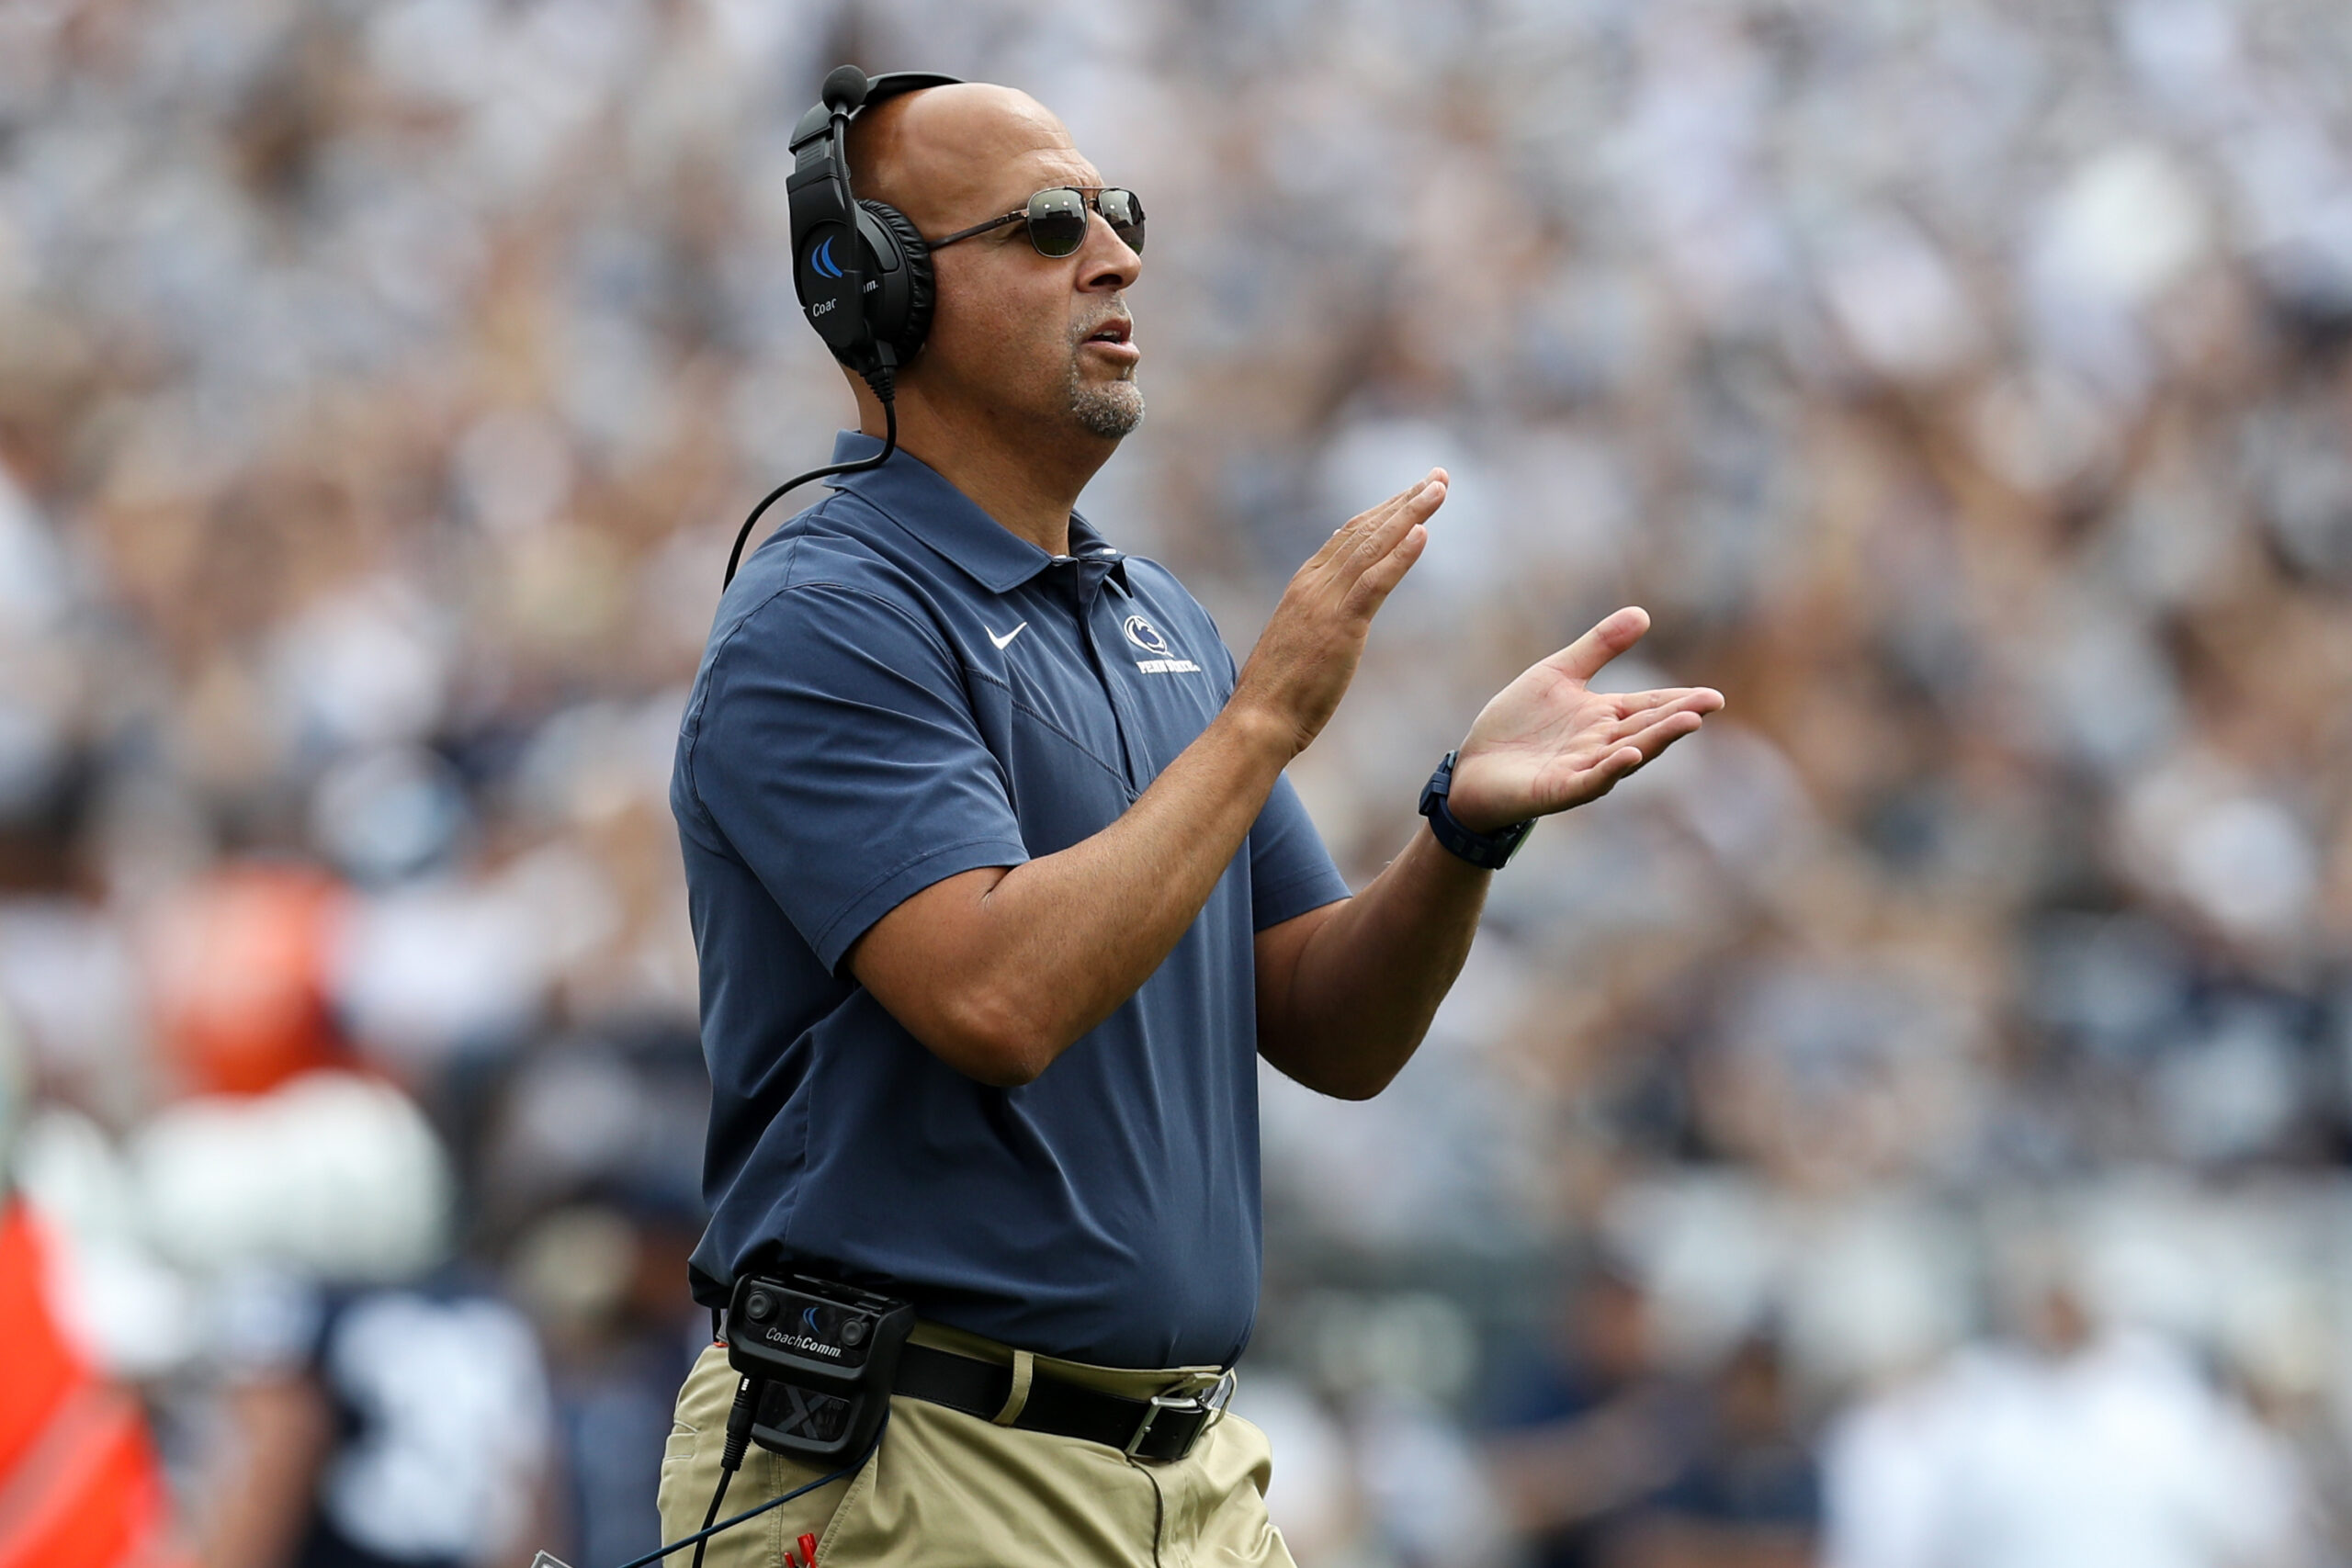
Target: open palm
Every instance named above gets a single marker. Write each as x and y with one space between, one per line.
1548 742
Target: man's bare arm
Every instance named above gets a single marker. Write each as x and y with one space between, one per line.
999 971
1346 992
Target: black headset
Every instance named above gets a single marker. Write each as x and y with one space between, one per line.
861 268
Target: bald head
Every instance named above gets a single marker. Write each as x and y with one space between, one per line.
950 156
1028 366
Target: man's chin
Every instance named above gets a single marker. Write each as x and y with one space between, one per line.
1108 410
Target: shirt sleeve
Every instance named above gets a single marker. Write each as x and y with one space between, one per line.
1290 871
836 752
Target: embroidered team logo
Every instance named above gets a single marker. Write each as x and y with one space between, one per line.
1145 635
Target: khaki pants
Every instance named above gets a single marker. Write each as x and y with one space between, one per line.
948 1489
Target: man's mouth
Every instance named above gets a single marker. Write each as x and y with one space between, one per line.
1119 330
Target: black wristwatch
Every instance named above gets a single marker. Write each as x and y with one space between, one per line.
1491 852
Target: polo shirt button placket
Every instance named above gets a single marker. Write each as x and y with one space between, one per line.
1087 577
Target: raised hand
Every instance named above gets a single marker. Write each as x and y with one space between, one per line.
1548 742
1308 652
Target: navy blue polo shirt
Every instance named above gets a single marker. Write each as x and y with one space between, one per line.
897 689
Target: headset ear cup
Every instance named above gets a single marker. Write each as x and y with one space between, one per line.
912 318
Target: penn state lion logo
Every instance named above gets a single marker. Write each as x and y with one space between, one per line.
1145 635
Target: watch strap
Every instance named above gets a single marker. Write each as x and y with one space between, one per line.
1489 852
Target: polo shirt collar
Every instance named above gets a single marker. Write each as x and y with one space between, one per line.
916 497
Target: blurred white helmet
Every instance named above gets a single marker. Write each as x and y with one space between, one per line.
334 1175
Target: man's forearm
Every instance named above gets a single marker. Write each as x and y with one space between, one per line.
1365 981
1018 964
999 972
1345 994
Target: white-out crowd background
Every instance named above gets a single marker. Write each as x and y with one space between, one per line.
1907 1129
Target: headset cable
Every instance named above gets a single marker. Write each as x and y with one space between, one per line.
882 381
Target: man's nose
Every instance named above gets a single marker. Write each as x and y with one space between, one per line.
1109 264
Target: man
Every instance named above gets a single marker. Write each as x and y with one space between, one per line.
999 893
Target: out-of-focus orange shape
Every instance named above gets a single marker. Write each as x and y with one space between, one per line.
80 1486
238 970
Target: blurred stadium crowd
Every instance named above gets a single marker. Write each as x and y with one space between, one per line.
1906 1131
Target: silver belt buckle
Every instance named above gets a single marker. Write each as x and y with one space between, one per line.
1210 1401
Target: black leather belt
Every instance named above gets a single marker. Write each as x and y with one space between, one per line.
1163 1427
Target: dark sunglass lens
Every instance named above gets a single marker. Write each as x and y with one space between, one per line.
1123 211
1056 222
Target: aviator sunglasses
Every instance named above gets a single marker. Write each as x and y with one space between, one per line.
1056 218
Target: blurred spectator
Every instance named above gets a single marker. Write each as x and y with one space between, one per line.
2072 1447
239 978
1593 1430
594 1159
1749 1494
601 1282
377 1406
391 1424
1611 1460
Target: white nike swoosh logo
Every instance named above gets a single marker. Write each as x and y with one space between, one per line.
1007 637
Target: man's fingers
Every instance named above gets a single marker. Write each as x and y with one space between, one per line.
1344 536
1375 543
1586 657
1631 705
1702 700
1388 555
1373 534
1629 753
1373 588
1657 737
1602 776
1348 533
